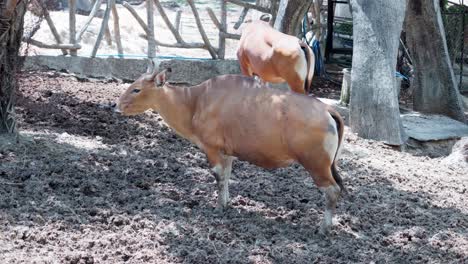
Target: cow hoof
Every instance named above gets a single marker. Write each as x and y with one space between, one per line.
324 231
219 210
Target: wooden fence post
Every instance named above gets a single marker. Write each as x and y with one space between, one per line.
177 20
150 33
72 20
118 41
104 25
201 30
222 37
52 27
92 14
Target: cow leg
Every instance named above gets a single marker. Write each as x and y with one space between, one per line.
323 178
244 67
260 80
294 73
331 194
223 182
222 166
296 84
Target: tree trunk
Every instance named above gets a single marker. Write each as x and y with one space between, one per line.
11 30
374 110
290 15
435 89
318 23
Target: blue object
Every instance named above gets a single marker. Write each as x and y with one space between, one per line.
398 74
318 57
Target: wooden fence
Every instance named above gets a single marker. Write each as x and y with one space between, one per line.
75 36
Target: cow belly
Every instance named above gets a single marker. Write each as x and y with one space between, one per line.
264 150
264 160
267 73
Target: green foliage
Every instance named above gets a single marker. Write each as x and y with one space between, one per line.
345 28
452 17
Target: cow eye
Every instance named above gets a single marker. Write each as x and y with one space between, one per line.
136 91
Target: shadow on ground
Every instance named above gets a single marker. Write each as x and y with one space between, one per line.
85 184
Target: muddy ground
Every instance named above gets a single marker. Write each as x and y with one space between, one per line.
86 185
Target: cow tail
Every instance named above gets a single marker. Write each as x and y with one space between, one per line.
309 55
340 127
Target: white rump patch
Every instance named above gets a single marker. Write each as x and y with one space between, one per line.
330 144
301 66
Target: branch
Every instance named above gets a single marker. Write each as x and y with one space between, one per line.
218 25
92 14
230 35
201 30
108 36
184 45
105 19
194 45
150 33
241 18
251 6
136 16
177 20
221 37
168 23
72 23
52 27
214 18
117 30
51 46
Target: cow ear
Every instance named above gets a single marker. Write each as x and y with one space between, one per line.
162 77
151 76
265 17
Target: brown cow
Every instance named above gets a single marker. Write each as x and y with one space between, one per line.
234 116
275 57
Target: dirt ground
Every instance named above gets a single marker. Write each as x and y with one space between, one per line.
86 185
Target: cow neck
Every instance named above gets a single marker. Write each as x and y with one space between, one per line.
176 105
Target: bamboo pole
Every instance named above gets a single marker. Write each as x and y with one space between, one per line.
118 41
177 20
51 46
136 16
105 19
231 36
72 23
218 25
213 17
150 32
222 37
92 14
241 19
158 43
201 30
168 23
52 27
108 36
248 5
184 45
